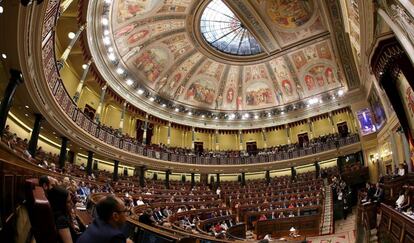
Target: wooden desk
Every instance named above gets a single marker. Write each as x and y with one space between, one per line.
395 227
306 226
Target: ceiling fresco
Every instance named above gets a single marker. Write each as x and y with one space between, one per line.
153 41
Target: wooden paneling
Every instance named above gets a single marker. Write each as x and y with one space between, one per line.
395 227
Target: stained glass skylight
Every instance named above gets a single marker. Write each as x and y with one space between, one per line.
225 32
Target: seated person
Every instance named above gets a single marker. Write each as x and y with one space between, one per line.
106 228
262 217
61 203
379 193
401 200
401 170
147 218
140 201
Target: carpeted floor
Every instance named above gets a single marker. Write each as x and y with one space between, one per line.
344 232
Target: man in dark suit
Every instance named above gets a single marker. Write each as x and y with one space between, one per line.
107 227
379 194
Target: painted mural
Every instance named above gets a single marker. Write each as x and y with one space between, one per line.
230 89
152 63
316 70
366 123
258 94
290 14
178 45
128 9
202 91
407 96
285 89
377 108
178 75
130 38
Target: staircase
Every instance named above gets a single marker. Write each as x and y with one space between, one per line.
327 221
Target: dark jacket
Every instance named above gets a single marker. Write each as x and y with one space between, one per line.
101 232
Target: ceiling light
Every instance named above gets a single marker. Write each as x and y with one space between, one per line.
4 56
106 40
130 82
111 56
340 92
246 115
151 99
26 106
163 105
106 32
108 1
71 35
53 132
105 21
216 118
282 112
140 91
202 116
177 110
190 113
232 116
26 114
269 114
84 66
120 71
1 9
110 49
256 117
313 101
333 97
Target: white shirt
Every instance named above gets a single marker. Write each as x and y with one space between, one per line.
401 172
400 200
140 202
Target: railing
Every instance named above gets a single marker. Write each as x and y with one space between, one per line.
57 88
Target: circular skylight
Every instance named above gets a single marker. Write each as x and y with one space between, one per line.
225 32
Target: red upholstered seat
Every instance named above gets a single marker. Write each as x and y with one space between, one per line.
40 213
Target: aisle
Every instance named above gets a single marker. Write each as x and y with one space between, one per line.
344 232
327 213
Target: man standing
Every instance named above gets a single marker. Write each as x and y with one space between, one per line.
106 228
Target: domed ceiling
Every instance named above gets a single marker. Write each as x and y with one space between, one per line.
216 56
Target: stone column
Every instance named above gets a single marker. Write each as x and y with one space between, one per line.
394 163
407 153
121 122
192 179
115 174
65 55
62 156
89 163
317 169
264 137
216 141
100 106
144 135
287 129
34 138
310 125
6 103
243 178
267 177
142 176
81 82
169 134
167 179
192 137
331 121
240 139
